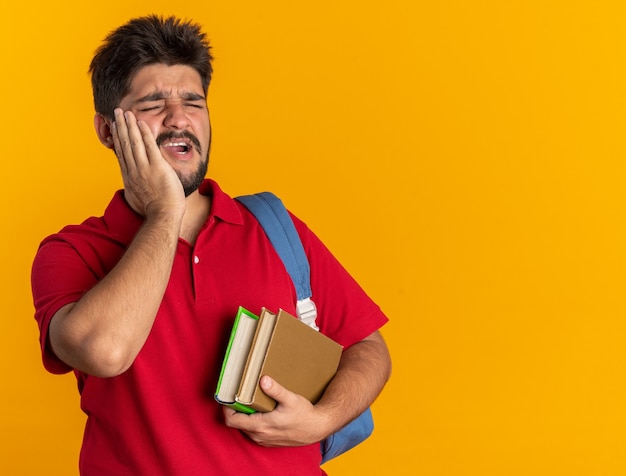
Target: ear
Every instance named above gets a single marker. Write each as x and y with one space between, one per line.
103 129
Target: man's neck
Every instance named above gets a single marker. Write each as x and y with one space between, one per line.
196 214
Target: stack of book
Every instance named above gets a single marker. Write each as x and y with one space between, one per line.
278 345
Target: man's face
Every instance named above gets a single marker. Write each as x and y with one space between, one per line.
171 101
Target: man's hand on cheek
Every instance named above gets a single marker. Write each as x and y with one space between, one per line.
150 183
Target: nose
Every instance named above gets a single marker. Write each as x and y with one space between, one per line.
175 116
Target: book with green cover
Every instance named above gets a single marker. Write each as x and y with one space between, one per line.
239 343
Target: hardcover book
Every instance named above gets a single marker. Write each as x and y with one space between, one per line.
299 358
239 344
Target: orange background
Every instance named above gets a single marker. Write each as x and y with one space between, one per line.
464 159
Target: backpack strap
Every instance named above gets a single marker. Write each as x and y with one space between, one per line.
273 217
279 228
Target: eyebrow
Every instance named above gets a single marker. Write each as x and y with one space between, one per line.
159 96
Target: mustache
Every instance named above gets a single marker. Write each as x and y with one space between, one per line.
170 136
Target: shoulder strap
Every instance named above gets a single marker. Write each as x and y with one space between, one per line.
270 212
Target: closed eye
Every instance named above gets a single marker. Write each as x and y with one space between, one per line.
152 106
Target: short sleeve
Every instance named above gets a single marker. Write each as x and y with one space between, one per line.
345 312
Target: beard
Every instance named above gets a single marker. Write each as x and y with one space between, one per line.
190 182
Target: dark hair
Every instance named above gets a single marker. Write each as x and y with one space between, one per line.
142 42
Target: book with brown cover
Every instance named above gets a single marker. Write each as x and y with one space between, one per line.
299 358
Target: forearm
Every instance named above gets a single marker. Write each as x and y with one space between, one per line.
103 332
363 371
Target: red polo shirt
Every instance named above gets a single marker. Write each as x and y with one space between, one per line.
159 417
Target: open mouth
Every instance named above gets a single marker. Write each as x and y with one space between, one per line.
181 144
178 147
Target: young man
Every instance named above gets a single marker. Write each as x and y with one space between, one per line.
139 302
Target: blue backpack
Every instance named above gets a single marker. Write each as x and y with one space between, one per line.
279 228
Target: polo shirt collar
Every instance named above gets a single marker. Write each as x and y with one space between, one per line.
123 222
223 207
